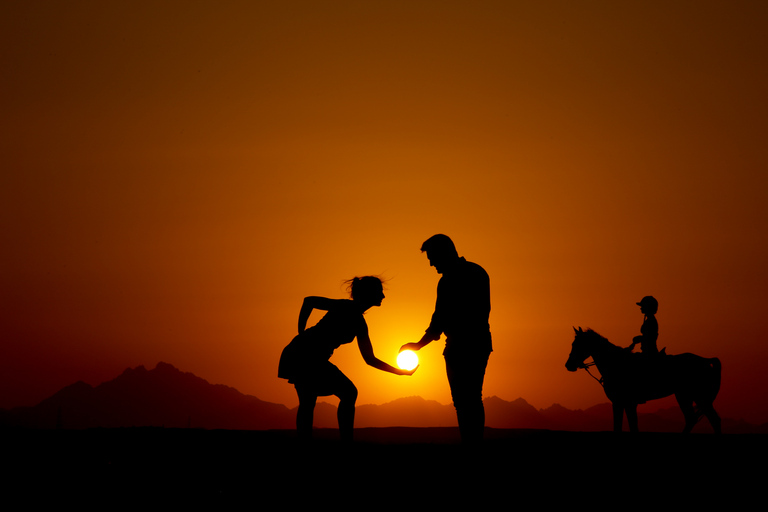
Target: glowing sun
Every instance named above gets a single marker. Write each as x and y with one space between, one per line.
407 360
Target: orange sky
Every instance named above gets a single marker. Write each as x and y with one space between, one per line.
177 177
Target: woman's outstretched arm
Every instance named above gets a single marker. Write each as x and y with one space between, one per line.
366 349
309 304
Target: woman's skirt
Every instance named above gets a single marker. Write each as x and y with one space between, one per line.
310 370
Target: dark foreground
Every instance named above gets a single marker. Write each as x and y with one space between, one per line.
399 467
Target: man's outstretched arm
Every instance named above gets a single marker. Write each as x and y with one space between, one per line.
423 342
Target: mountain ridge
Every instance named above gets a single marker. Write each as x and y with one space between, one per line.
168 397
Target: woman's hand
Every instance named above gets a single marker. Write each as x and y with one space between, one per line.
310 303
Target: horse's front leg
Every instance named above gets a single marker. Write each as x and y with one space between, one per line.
618 416
632 417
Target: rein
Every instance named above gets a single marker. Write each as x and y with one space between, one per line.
586 367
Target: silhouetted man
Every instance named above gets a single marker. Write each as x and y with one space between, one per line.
461 312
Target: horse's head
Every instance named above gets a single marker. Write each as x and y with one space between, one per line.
580 350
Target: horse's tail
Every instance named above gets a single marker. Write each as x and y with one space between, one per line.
716 369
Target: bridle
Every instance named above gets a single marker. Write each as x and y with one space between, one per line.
586 367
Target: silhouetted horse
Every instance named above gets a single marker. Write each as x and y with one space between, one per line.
630 379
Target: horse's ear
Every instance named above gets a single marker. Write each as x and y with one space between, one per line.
581 330
574 330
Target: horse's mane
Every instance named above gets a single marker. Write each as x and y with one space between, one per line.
592 332
598 337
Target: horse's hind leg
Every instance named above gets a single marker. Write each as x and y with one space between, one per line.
712 416
632 417
686 405
618 416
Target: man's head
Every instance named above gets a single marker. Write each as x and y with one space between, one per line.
441 252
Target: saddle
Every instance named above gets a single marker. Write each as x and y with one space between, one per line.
648 376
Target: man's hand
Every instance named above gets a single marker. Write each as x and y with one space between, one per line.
423 342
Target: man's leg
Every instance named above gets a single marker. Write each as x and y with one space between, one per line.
465 377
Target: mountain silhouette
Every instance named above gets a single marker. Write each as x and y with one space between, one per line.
412 411
168 397
164 396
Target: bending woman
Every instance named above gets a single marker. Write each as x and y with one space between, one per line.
304 362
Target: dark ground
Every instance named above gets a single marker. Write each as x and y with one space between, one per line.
398 467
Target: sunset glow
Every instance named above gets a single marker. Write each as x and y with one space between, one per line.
178 176
407 360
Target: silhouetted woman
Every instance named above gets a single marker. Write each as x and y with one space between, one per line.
304 362
649 331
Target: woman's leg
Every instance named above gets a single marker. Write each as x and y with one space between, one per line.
340 386
328 380
347 394
305 414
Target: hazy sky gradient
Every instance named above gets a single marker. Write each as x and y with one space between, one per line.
177 177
